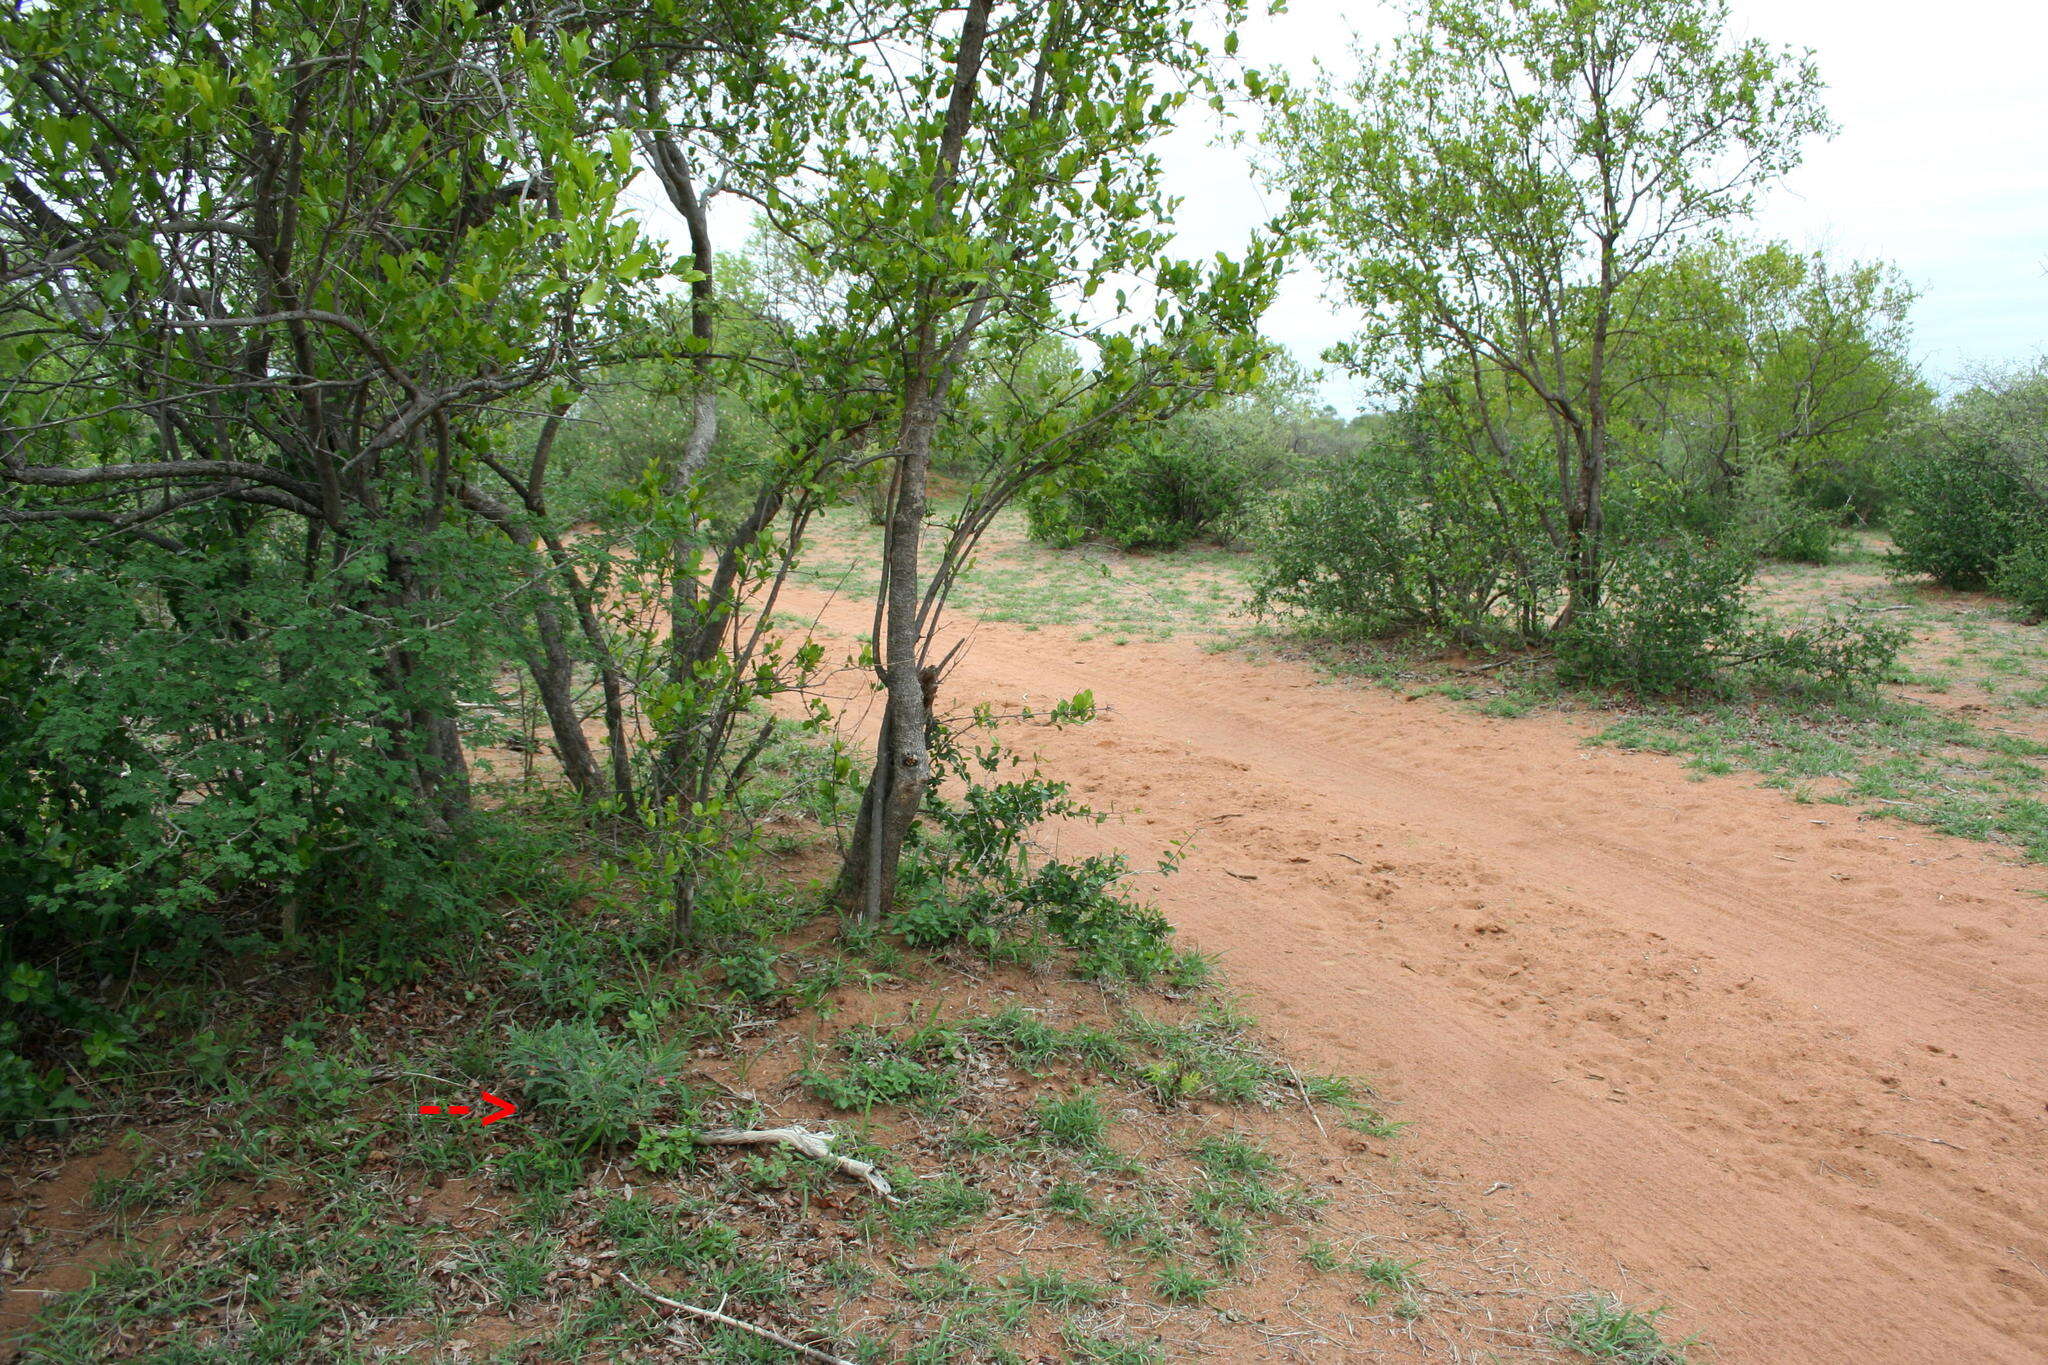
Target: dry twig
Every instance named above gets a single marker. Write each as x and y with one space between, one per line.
713 1315
815 1145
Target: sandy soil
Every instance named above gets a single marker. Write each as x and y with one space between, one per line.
1684 1040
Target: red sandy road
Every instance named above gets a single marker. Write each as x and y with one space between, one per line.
1782 1068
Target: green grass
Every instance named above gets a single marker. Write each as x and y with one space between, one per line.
1074 1121
1183 1284
1606 1329
1889 757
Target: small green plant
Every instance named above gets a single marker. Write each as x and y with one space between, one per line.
594 1087
1233 1156
1101 1350
1053 1289
1390 1272
934 1205
1075 1121
665 1151
1604 1328
919 1070
1182 1284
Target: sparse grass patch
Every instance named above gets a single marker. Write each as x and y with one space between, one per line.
1183 1284
1604 1328
1075 1121
877 1068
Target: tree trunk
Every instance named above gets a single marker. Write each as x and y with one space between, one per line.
903 759
554 677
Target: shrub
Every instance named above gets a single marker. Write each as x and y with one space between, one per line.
1675 618
970 878
1409 533
2022 573
1782 524
1956 512
1182 479
1667 614
1972 488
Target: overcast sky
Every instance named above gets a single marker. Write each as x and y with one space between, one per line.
1941 164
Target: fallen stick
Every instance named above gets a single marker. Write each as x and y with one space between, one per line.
713 1315
1915 1137
1503 663
814 1145
1307 1103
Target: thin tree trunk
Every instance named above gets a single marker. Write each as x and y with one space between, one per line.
554 677
903 767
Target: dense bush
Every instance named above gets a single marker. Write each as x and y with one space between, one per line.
1675 618
1780 520
1188 477
205 749
1424 533
1406 535
1956 513
2023 573
1970 491
1667 616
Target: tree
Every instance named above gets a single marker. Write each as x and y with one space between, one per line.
992 180
279 288
1487 189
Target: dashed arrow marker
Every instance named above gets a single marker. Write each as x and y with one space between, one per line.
500 1108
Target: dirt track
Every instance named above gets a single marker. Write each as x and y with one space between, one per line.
1781 1068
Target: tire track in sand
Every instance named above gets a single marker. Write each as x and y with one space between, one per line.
1781 1067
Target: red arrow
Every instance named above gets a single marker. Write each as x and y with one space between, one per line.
500 1108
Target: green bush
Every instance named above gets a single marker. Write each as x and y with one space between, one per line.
1667 615
1185 478
207 754
594 1088
2022 573
1972 488
1955 513
969 876
1782 523
1675 618
1408 534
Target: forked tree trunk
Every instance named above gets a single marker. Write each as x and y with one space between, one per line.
554 677
903 758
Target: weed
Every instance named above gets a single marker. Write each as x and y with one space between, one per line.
1387 1271
879 1069
1232 1156
1101 1350
1604 1328
1181 1284
1076 1121
934 1205
593 1087
1051 1288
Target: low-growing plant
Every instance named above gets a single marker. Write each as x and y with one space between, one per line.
919 1070
971 879
1604 1328
1075 1120
1183 1284
593 1087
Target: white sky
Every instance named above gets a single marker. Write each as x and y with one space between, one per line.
1941 164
